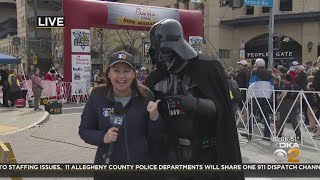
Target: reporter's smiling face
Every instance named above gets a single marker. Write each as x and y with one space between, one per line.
121 76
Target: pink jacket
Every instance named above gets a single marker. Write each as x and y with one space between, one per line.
36 82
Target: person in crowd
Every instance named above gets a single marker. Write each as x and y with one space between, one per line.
277 88
279 67
243 77
141 122
260 87
235 95
200 125
5 86
142 75
50 76
14 87
309 69
292 70
313 103
316 86
288 100
37 88
96 77
301 84
282 71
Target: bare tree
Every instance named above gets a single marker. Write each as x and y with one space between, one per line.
101 44
56 44
130 40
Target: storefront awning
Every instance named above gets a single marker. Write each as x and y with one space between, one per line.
6 59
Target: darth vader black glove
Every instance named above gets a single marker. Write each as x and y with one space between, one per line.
203 106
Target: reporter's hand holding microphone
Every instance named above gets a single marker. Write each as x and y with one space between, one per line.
111 135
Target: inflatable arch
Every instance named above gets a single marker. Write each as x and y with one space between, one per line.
81 15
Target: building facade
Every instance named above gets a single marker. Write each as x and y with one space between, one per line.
227 30
230 34
23 39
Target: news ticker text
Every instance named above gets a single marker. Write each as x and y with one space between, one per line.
156 168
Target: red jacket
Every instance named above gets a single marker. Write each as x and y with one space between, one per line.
293 74
49 77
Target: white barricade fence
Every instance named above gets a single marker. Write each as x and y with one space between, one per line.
76 92
252 114
73 92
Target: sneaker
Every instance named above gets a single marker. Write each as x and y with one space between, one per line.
313 130
246 136
266 138
316 136
298 138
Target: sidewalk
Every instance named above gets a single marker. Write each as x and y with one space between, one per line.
13 120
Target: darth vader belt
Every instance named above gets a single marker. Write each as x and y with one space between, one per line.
184 142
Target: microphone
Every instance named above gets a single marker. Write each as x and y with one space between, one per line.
116 119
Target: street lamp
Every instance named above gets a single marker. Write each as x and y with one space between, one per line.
310 45
56 52
143 36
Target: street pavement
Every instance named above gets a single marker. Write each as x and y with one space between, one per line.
56 140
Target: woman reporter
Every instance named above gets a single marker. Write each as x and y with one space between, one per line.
141 121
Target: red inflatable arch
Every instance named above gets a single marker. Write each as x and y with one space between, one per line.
80 15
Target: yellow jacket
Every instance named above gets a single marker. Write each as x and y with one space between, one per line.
9 79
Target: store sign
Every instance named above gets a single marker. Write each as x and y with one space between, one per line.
277 55
80 40
138 15
81 70
197 43
263 3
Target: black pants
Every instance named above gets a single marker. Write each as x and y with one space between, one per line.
13 96
5 98
293 116
305 111
266 111
179 154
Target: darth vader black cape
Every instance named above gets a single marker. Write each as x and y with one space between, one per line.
208 74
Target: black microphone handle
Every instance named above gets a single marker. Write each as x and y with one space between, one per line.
109 153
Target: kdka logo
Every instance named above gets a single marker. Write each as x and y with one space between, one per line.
82 39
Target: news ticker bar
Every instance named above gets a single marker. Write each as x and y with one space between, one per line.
79 170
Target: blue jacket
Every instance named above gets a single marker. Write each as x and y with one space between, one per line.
261 84
137 129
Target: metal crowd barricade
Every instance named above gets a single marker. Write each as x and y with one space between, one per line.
72 92
76 92
247 115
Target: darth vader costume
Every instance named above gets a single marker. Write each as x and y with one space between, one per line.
199 121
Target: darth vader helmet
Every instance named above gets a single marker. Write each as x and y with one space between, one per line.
174 51
154 49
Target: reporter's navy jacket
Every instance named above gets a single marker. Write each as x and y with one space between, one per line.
137 129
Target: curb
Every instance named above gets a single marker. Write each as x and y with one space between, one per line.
45 117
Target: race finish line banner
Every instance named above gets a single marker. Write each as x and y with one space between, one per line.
87 170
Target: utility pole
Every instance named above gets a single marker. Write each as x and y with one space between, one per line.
35 10
271 33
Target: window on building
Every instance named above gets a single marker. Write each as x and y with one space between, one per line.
224 53
249 10
265 9
285 5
